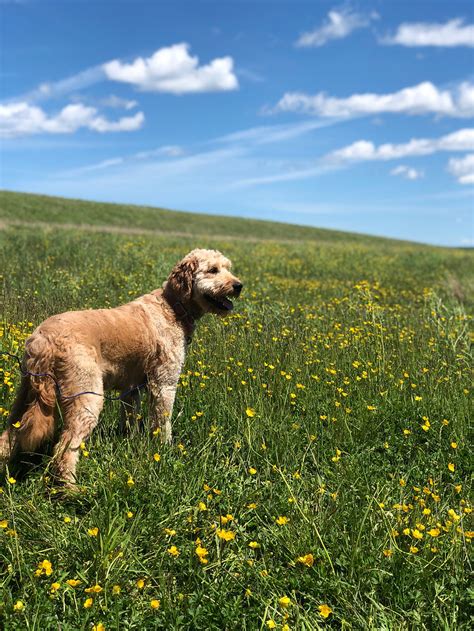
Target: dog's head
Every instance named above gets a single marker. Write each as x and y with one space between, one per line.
204 282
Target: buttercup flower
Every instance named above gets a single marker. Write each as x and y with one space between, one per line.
325 610
307 560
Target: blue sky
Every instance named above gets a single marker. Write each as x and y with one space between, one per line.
354 116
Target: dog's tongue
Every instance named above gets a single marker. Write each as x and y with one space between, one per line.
227 304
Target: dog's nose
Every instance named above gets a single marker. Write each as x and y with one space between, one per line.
237 288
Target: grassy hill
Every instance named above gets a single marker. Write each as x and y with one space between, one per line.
321 456
22 207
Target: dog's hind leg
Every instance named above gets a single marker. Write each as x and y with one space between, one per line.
81 415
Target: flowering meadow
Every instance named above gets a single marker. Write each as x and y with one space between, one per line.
319 475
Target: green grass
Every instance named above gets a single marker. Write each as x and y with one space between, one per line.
342 379
21 207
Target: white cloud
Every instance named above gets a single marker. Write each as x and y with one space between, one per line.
450 34
339 24
424 98
23 119
409 173
363 150
174 70
462 169
119 103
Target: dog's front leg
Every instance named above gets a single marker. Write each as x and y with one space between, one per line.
161 407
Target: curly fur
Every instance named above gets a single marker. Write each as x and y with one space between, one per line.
96 350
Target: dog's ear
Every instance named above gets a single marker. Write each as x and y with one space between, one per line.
180 281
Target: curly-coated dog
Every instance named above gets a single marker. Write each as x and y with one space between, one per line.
90 351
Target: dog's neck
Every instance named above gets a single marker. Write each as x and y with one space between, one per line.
184 313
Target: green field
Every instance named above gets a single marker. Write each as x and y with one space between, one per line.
320 470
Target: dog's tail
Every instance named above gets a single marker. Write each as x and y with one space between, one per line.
31 420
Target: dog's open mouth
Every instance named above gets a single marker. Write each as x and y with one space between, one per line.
224 304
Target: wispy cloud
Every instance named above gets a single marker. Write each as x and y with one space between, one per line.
63 87
424 98
285 176
117 102
448 35
269 134
409 173
338 24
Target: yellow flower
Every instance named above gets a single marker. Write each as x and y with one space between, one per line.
226 518
98 627
454 516
170 532
129 514
141 583
284 602
202 554
95 589
324 610
173 551
116 589
88 603
454 445
4 523
307 559
402 482
44 567
227 535
254 545
434 532
55 587
252 471
388 553
67 520
282 520
413 549
156 457
18 606
130 481
250 412
11 480
407 432
73 582
155 603
417 534
271 624
202 506
451 467
16 425
93 532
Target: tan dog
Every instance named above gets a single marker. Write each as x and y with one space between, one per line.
96 350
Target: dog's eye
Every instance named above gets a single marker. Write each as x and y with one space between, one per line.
213 270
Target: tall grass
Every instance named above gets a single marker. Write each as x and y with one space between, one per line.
324 425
